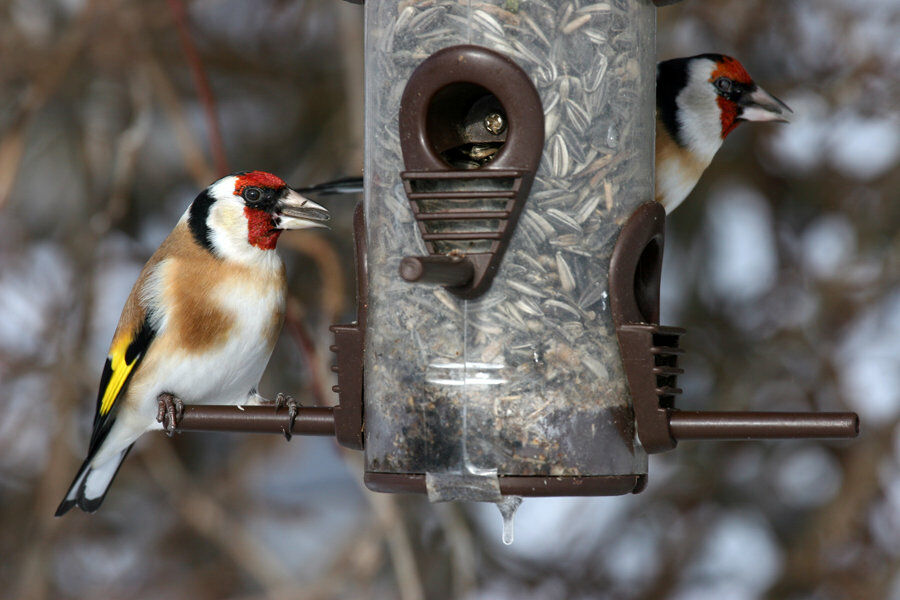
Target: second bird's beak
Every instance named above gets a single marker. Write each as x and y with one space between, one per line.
760 105
295 211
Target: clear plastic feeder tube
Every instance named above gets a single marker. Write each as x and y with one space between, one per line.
526 380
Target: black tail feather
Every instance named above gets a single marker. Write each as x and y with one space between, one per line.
80 499
345 185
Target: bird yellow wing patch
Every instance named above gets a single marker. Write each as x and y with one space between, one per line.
124 358
120 369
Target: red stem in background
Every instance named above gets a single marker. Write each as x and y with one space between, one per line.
201 81
308 349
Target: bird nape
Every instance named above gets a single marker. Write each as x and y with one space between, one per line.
200 323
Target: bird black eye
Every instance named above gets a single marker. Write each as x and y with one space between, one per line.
723 84
252 194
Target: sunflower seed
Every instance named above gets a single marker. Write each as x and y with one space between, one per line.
526 289
575 23
488 22
566 279
559 156
562 221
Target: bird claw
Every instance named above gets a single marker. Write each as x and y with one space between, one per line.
282 401
170 409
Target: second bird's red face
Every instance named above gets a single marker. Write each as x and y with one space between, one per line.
729 77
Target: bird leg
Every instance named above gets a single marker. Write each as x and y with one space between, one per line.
169 412
281 401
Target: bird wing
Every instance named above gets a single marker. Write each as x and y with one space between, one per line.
135 333
126 353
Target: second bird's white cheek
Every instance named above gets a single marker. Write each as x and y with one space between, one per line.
699 113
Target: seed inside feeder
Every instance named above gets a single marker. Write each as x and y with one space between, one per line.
556 404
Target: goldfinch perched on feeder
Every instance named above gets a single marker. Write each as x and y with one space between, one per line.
200 323
699 101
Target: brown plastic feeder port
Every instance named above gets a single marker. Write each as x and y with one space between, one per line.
650 356
472 134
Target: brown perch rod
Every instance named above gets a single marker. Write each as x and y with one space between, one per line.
683 425
256 419
711 425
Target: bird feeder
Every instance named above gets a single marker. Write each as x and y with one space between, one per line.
508 262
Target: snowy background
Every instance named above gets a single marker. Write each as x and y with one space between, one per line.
784 266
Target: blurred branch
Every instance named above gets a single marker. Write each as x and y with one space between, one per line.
204 515
129 143
47 79
293 321
332 299
195 162
462 547
350 29
403 558
330 268
837 523
201 81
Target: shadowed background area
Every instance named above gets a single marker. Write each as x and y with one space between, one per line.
784 266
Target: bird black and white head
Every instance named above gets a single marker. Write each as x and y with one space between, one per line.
240 216
701 99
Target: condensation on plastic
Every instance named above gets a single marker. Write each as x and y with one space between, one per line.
527 379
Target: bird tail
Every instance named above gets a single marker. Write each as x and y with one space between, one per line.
347 185
91 484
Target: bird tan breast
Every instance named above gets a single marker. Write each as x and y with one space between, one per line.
275 325
278 284
199 322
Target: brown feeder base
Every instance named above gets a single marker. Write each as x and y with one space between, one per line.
514 485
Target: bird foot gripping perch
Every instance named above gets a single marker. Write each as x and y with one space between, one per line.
169 412
285 401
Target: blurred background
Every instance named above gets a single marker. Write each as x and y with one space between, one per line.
784 266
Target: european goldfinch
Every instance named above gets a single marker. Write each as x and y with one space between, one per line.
200 323
699 101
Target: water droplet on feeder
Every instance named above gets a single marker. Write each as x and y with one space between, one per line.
612 137
508 506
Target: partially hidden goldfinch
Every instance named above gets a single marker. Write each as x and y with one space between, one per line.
699 101
200 323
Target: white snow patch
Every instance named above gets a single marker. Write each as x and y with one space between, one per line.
807 477
864 147
740 554
26 428
869 364
742 261
799 147
829 245
34 287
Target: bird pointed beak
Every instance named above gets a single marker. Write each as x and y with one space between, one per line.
760 105
296 211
